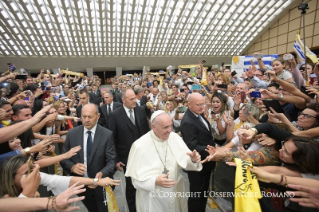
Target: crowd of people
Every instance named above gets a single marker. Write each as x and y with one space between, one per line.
59 134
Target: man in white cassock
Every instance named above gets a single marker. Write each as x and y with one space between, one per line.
154 165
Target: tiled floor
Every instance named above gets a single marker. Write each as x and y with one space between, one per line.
119 193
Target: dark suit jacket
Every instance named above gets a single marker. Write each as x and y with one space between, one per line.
195 134
79 111
122 130
103 154
114 93
104 118
96 98
119 98
143 101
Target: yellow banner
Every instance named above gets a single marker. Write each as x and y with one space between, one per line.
72 73
247 191
111 201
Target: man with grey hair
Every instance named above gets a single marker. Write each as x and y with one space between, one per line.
140 98
107 108
154 163
96 159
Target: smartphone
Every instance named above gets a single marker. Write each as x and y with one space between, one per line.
233 73
28 93
30 165
222 86
22 76
303 89
182 109
11 66
212 112
287 57
255 94
240 141
181 90
274 104
242 96
35 155
258 56
196 87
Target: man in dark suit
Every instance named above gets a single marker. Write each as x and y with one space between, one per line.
128 123
196 132
119 95
96 159
141 100
115 90
84 98
95 95
107 108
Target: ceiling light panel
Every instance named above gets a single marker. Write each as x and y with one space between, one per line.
130 28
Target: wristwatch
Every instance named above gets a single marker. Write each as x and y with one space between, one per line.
27 150
280 96
95 180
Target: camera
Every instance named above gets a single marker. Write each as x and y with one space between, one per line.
203 61
303 6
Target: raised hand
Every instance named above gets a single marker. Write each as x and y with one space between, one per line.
265 140
73 151
195 156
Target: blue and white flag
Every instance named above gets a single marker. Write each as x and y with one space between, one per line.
299 49
240 63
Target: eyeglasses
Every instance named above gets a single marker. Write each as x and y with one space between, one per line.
258 75
307 116
284 149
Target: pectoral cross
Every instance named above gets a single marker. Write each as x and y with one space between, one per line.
165 171
105 202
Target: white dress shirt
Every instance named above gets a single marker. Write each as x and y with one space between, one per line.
138 101
85 138
153 100
111 107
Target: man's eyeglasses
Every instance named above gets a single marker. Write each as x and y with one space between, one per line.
307 116
284 149
258 75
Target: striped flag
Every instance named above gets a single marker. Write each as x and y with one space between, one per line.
299 49
239 63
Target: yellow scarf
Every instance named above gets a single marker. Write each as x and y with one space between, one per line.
247 191
238 125
5 123
111 201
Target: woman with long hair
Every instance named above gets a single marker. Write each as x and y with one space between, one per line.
12 170
216 115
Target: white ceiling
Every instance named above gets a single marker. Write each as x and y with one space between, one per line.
83 28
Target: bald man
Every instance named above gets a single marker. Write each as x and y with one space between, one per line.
96 159
128 123
197 134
